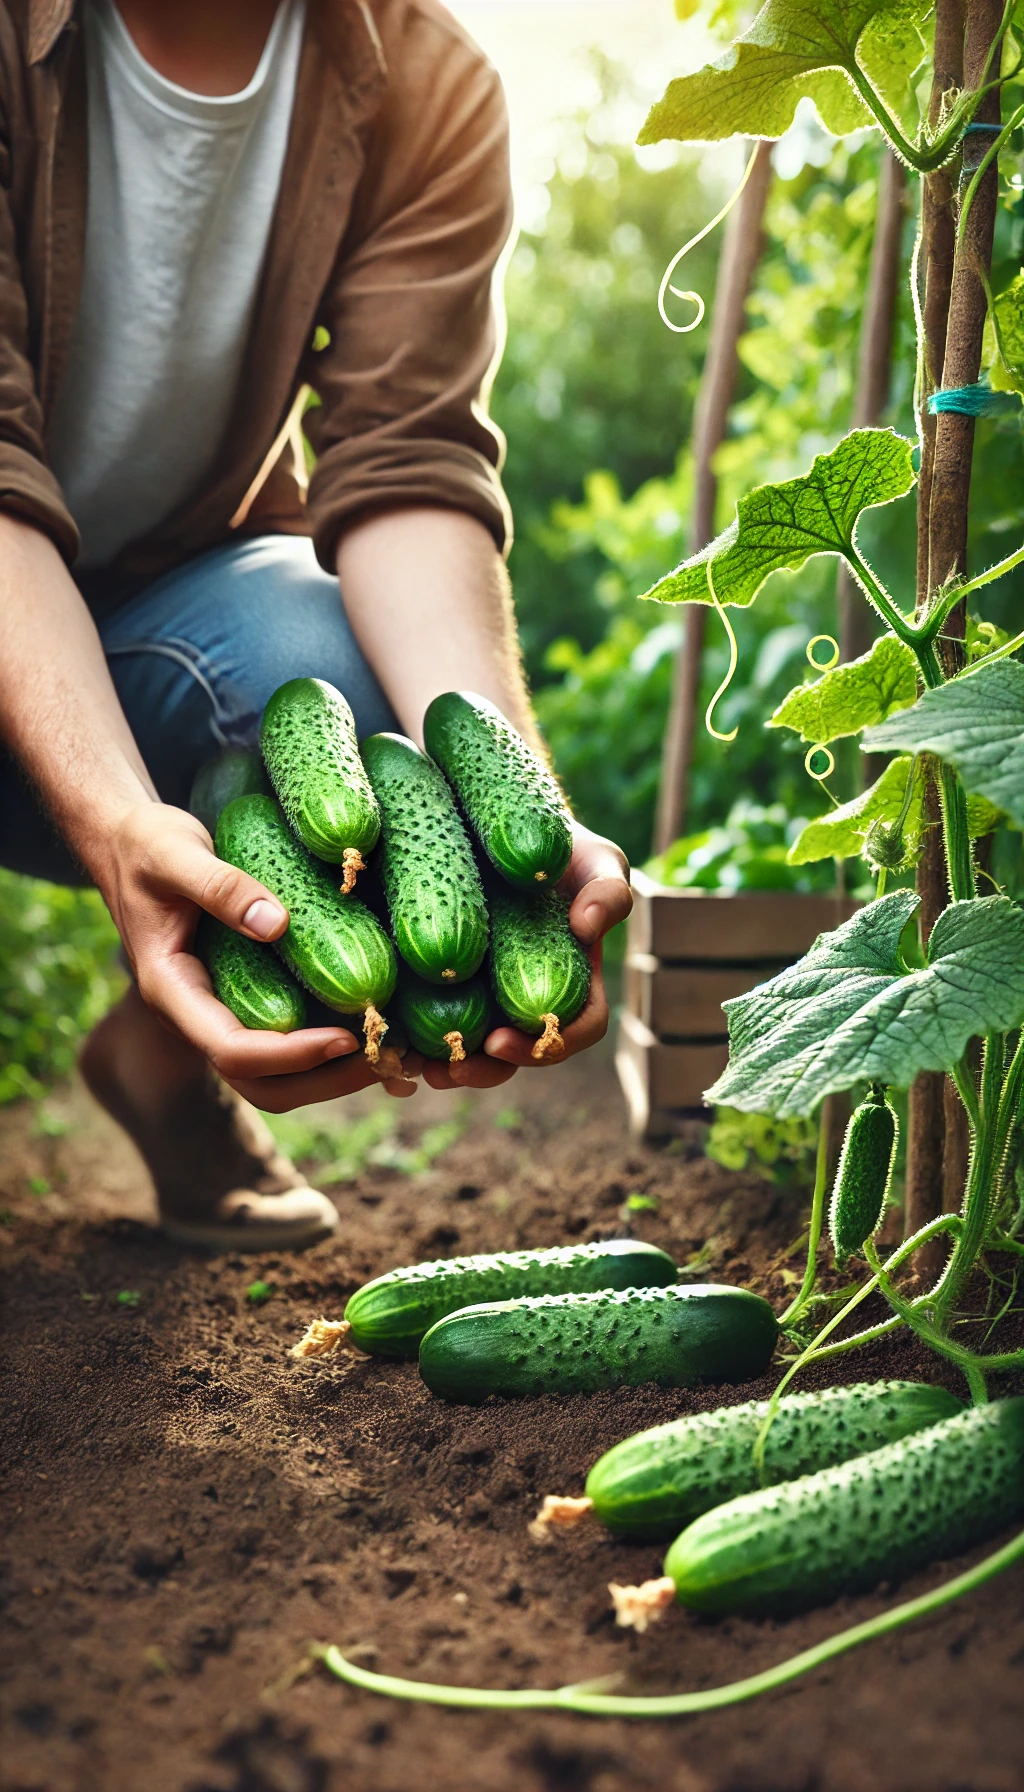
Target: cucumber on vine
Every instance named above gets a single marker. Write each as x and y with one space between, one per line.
864 1174
308 739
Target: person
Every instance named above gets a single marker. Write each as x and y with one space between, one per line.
212 210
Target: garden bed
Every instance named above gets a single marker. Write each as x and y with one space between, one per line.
188 1507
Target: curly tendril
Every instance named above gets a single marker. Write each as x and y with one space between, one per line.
734 654
694 298
833 659
828 768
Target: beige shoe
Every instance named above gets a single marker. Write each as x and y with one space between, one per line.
221 1182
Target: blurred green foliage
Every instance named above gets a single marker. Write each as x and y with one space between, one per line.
58 974
782 1151
748 852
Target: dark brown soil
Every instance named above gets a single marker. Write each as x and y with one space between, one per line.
187 1507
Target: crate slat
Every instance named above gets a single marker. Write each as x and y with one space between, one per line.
714 924
683 999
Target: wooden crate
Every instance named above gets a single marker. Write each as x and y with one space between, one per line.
687 952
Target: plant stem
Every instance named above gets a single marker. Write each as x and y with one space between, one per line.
593 1703
797 1305
978 1194
966 1360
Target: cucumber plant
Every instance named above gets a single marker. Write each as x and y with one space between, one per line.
933 981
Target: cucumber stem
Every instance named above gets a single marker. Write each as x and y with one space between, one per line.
637 1607
374 1027
352 862
550 1044
456 1048
322 1337
559 1511
389 1065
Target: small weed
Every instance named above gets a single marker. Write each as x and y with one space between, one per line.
258 1293
128 1297
50 1126
340 1153
508 1119
39 1185
639 1203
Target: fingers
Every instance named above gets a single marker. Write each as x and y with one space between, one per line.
509 1046
177 859
278 1094
475 1072
598 883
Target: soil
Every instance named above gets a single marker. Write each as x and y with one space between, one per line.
188 1507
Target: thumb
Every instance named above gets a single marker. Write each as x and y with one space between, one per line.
222 890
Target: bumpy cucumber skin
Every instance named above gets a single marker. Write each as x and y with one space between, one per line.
844 1529
654 1483
577 1343
390 1315
308 738
863 1176
511 799
434 895
429 1013
538 966
332 944
235 772
249 979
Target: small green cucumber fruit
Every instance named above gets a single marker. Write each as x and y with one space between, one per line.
249 978
842 1530
577 1343
864 1174
332 943
308 737
235 772
652 1484
508 794
540 972
389 1316
434 895
447 1023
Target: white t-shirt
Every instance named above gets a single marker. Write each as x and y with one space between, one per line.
182 190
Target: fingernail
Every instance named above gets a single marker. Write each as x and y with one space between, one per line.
342 1047
262 918
591 919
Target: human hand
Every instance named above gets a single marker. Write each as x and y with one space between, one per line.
158 870
597 882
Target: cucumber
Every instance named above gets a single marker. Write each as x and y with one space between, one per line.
864 1174
390 1315
844 1529
308 737
447 1024
235 772
539 970
332 943
511 799
577 1343
249 978
434 895
652 1484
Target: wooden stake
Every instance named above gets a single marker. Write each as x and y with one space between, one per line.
741 251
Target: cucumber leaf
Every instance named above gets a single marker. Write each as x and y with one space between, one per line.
851 697
852 1011
975 724
794 48
783 526
842 832
1003 352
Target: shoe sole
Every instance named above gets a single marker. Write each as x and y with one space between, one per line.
246 1240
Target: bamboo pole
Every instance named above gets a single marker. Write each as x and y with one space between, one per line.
741 250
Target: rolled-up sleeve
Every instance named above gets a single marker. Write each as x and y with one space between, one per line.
411 313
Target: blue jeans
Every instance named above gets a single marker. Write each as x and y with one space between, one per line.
194 659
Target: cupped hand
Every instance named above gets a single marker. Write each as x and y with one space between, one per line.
159 870
597 883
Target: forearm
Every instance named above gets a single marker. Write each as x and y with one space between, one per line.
59 712
429 601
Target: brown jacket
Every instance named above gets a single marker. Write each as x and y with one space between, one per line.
393 209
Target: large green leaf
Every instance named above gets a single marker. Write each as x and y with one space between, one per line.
976 724
1003 354
851 697
794 48
842 832
851 1011
782 526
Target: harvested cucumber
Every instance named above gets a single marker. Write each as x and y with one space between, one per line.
447 1024
308 737
540 972
652 1484
332 943
235 772
249 978
577 1343
864 1174
509 796
844 1529
390 1315
434 894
